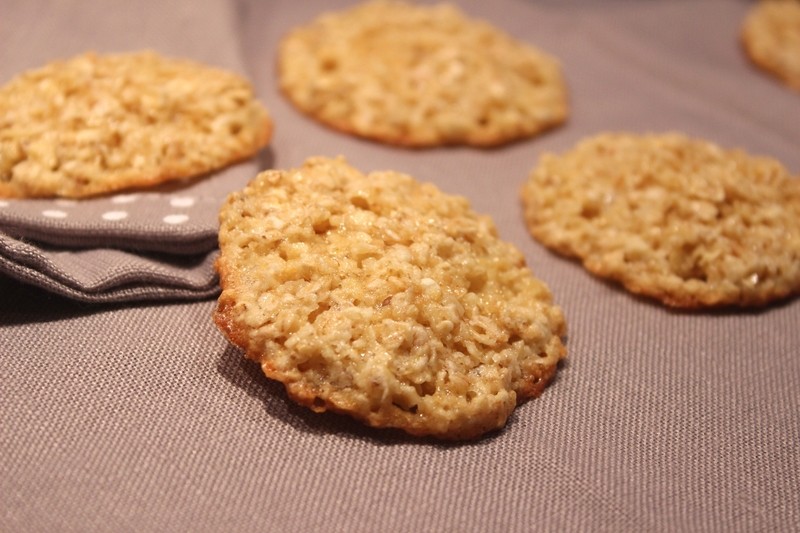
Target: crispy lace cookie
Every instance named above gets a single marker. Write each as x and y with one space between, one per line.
385 299
677 219
95 124
420 76
771 38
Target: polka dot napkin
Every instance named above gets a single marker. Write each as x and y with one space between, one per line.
138 245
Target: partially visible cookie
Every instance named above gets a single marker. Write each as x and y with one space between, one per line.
677 219
771 37
385 299
420 76
99 123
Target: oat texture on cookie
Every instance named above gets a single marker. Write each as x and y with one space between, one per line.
771 38
383 298
420 76
94 124
678 219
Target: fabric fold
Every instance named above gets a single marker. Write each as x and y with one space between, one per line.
104 275
131 246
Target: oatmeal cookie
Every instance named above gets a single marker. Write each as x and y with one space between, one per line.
385 299
771 38
678 219
99 123
420 76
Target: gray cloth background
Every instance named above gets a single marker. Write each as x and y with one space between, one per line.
141 417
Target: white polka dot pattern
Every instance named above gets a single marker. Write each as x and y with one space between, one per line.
182 201
115 215
176 219
124 198
54 213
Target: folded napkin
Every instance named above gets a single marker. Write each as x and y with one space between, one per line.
109 275
156 244
138 245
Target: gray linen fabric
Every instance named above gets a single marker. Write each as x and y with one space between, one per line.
141 417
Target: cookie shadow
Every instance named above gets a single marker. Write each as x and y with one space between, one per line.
245 374
23 303
265 159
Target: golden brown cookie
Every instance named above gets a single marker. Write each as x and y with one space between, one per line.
385 299
771 37
99 123
677 219
420 76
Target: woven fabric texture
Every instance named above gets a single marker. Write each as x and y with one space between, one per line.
141 417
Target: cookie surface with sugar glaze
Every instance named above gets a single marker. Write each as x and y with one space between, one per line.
94 124
673 218
770 35
420 76
383 298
